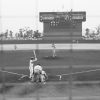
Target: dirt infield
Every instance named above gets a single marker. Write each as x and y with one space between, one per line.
54 91
57 98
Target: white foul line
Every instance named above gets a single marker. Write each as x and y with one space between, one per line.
76 73
13 73
23 75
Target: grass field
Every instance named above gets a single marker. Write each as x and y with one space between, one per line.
18 62
21 58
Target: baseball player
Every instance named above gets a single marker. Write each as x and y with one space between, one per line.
15 47
38 69
43 76
54 50
31 65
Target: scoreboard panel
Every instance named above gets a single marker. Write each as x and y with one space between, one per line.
62 24
50 16
58 25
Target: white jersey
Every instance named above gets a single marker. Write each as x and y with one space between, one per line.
43 72
38 67
31 64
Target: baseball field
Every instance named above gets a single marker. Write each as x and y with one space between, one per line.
83 64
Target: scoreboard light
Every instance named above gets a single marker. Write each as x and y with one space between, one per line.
77 17
52 21
66 18
70 17
73 23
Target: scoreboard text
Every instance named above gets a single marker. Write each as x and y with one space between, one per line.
49 16
62 19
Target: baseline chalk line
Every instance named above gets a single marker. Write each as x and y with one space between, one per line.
60 76
13 73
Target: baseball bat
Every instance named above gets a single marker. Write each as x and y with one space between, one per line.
34 53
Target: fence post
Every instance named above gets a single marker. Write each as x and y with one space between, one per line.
1 56
3 74
71 50
37 95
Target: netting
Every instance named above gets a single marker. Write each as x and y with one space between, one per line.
72 64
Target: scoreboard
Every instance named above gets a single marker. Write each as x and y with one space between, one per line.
62 19
62 24
49 16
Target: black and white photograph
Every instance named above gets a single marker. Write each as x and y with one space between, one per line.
49 50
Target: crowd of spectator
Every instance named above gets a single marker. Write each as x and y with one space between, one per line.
23 34
91 35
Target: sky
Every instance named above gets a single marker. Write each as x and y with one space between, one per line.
16 14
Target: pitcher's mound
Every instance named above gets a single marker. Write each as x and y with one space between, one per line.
51 58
